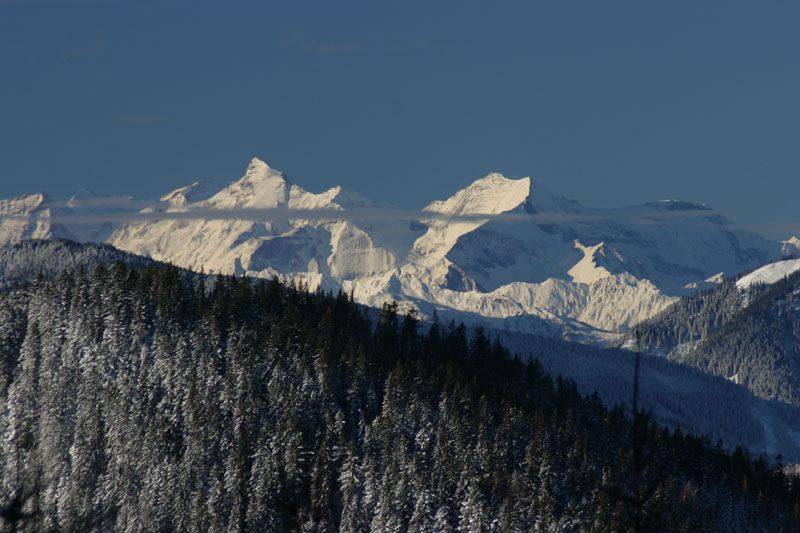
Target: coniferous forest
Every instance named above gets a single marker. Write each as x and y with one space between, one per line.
754 336
154 399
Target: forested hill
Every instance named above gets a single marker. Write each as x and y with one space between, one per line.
154 400
47 259
689 320
750 336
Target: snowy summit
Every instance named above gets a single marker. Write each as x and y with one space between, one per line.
555 267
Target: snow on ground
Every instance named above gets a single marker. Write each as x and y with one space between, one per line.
586 270
769 274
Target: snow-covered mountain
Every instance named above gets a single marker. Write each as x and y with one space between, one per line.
535 263
313 250
27 217
36 216
791 248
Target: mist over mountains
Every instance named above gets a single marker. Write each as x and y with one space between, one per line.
502 253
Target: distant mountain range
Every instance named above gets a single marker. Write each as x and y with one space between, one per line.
535 263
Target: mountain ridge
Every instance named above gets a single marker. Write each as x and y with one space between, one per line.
537 256
747 330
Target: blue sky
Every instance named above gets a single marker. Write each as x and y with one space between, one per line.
610 103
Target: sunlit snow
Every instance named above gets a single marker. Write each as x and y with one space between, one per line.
769 274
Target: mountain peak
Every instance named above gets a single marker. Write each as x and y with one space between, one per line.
258 170
790 249
492 194
260 187
495 180
24 203
257 165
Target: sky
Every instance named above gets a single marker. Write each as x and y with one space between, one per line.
610 103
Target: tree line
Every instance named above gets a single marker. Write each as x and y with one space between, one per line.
155 399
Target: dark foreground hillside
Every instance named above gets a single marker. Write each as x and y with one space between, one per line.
757 344
152 400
